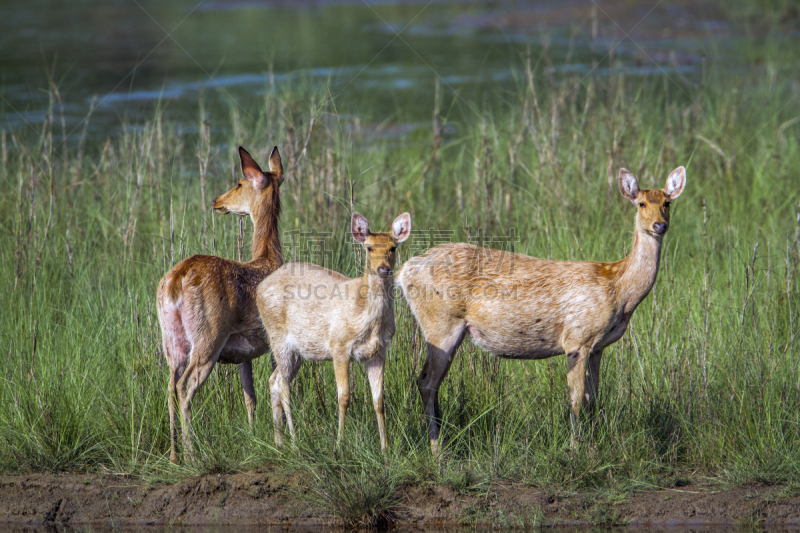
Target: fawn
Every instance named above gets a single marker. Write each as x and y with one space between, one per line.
520 307
313 313
206 304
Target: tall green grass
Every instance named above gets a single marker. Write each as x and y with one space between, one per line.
705 380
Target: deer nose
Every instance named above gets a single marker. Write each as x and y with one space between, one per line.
384 271
660 227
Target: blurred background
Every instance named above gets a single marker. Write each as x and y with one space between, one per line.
380 59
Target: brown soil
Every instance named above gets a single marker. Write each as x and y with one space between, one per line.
264 498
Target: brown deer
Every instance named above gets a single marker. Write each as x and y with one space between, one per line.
206 304
520 307
313 313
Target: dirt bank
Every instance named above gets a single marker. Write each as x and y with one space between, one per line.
262 498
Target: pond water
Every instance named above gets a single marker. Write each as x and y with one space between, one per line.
379 59
262 529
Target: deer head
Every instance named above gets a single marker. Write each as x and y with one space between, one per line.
652 216
256 185
380 247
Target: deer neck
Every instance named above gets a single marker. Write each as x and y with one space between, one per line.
638 271
376 292
266 238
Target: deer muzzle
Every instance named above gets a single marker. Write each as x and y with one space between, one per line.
219 207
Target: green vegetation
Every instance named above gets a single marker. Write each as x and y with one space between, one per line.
706 379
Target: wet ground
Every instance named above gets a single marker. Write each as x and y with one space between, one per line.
267 499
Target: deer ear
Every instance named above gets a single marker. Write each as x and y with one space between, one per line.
628 185
360 228
251 170
675 182
401 227
275 165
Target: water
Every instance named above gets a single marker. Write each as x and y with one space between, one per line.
376 59
307 529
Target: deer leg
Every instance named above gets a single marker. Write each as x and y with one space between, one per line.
593 384
374 369
294 367
277 407
578 363
593 377
196 374
341 368
177 365
439 358
246 377
287 364
176 352
174 376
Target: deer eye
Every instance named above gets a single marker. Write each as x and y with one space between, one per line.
238 185
369 249
393 248
667 203
642 204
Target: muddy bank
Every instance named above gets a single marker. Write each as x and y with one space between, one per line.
262 498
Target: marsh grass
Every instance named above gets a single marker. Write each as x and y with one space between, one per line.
357 484
705 380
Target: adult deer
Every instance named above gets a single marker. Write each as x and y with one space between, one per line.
206 304
314 313
520 307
